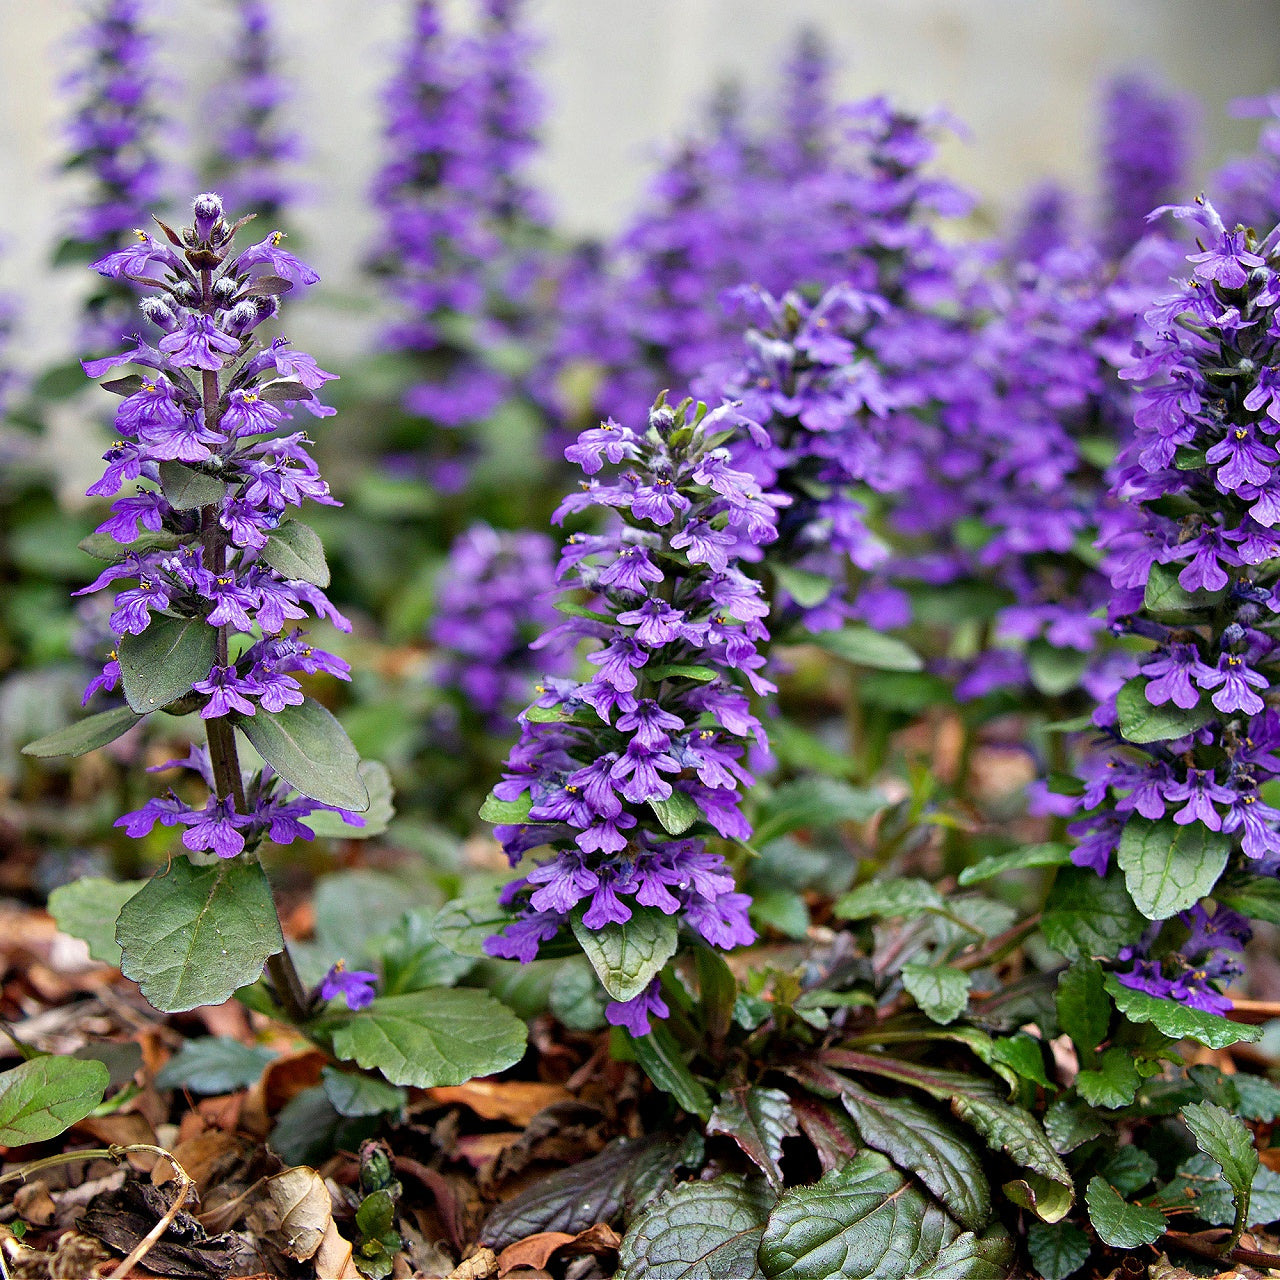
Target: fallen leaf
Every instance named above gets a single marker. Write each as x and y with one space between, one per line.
516 1101
479 1148
480 1266
333 1258
34 1204
600 1238
287 1076
533 1251
301 1201
207 1158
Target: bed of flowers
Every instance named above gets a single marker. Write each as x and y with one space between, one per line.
746 749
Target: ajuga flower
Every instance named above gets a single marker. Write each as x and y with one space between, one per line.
252 150
112 136
356 987
1194 570
1146 143
207 543
610 773
492 601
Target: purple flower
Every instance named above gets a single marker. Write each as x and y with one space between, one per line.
356 986
1237 681
220 829
1171 674
198 344
634 1014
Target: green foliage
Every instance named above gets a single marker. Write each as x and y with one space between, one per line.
163 663
196 935
1113 1084
43 1096
661 1060
1168 867
1141 722
757 1119
1178 1021
1225 1140
88 909
866 648
1084 1010
996 864
941 991
677 813
1057 1249
864 1220
352 1094
310 750
84 735
428 1038
887 898
1118 1223
813 802
214 1064
185 488
628 956
376 818
1090 915
295 550
700 1230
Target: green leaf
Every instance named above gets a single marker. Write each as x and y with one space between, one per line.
88 909
1200 1189
463 924
294 549
625 1177
102 546
815 802
413 959
883 899
781 909
1090 915
661 1059
1050 1201
1169 867
677 813
627 956
700 1231
1070 1124
996 864
1225 1140
1055 671
1178 1021
1129 1170
85 735
1165 594
576 997
429 1038
685 670
941 991
1023 1055
1113 1084
1141 722
861 1221
166 660
351 1094
308 1130
310 750
214 1064
866 648
920 1142
1256 896
185 488
512 812
377 817
196 935
1084 1012
807 589
1259 1099
1058 1250
43 1096
1121 1225
972 1257
757 1119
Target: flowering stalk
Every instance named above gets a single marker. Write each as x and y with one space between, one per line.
492 600
112 136
217 572
1145 149
611 773
1177 796
253 149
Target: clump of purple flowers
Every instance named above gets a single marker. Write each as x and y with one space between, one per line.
1146 144
253 148
461 125
1209 953
610 773
112 138
1193 568
493 599
209 413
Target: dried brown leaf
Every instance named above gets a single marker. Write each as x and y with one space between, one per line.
533 1251
333 1260
302 1204
480 1266
515 1101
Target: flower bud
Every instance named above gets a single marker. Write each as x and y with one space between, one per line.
208 213
160 312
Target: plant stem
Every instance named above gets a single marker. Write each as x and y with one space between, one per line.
223 756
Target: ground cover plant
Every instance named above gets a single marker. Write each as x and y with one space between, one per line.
747 750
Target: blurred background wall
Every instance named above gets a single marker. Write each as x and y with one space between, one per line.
624 76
